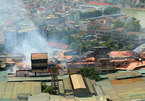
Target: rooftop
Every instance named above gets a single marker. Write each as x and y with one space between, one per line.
35 56
126 89
123 75
120 54
57 45
94 3
77 81
12 89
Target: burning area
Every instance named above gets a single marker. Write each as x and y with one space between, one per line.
21 35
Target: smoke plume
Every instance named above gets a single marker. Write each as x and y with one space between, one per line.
20 33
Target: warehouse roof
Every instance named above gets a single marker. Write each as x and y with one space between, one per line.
67 84
77 81
124 75
90 86
35 56
13 89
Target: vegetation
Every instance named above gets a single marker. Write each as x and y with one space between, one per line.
95 13
133 26
111 10
118 24
91 73
46 89
82 47
123 42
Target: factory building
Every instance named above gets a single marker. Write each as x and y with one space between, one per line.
77 85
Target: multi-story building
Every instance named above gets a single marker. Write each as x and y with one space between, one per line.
39 62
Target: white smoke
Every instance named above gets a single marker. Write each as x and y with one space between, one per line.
14 23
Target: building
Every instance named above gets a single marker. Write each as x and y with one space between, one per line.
126 86
103 5
100 33
39 62
77 85
68 90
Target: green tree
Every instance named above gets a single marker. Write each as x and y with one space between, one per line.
118 24
111 10
95 13
46 89
123 42
87 45
90 73
133 26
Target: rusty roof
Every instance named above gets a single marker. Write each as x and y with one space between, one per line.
37 56
125 81
134 65
120 54
89 59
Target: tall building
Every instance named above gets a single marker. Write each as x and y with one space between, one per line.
39 62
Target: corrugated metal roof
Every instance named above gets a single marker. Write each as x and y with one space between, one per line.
77 81
12 89
3 76
130 73
90 86
61 87
67 84
126 81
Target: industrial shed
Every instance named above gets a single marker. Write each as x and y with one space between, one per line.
89 86
68 90
78 85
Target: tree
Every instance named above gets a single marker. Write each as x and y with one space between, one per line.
111 10
123 42
90 73
46 88
87 45
133 26
118 24
95 13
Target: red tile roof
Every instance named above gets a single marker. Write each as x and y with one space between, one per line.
94 3
21 64
42 9
89 59
102 20
57 45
